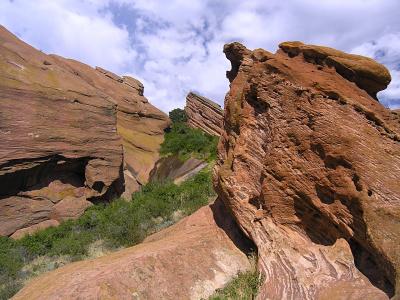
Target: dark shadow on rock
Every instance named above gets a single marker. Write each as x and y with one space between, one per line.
224 219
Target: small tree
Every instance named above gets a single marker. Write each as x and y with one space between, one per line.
178 115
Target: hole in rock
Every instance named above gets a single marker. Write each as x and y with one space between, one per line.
357 183
98 186
319 150
325 194
332 162
255 201
258 104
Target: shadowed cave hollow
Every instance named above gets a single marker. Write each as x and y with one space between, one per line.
322 231
49 169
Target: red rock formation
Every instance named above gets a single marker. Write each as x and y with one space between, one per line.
60 136
204 114
175 169
309 166
188 260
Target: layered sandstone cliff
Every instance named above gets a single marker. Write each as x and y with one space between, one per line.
309 166
204 114
69 135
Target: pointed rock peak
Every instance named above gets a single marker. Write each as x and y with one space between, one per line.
236 53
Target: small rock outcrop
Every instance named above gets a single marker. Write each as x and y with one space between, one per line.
188 260
175 169
204 114
69 135
309 166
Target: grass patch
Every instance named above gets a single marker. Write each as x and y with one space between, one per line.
117 224
185 141
244 286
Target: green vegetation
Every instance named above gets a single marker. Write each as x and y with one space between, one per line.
178 115
243 287
185 141
117 224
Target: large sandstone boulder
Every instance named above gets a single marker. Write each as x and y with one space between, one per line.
309 166
188 260
60 136
204 114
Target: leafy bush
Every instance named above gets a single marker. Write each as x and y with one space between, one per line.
178 115
118 224
245 286
185 141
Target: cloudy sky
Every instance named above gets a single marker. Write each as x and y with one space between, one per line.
175 46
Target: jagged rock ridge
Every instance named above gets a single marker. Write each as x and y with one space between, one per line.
69 135
204 114
308 165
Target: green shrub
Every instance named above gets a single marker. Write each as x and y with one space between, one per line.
244 287
8 288
11 259
118 224
178 115
185 141
11 262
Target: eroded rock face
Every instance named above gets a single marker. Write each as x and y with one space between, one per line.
60 136
309 166
204 114
177 170
188 260
139 124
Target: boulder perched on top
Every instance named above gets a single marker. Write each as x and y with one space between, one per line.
364 71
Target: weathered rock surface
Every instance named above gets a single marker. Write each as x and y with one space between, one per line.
309 166
204 114
174 169
60 136
188 260
364 71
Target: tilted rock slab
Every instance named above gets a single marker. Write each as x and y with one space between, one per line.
188 260
204 114
177 170
309 165
68 135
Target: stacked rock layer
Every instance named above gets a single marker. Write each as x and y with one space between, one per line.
204 114
69 135
309 166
